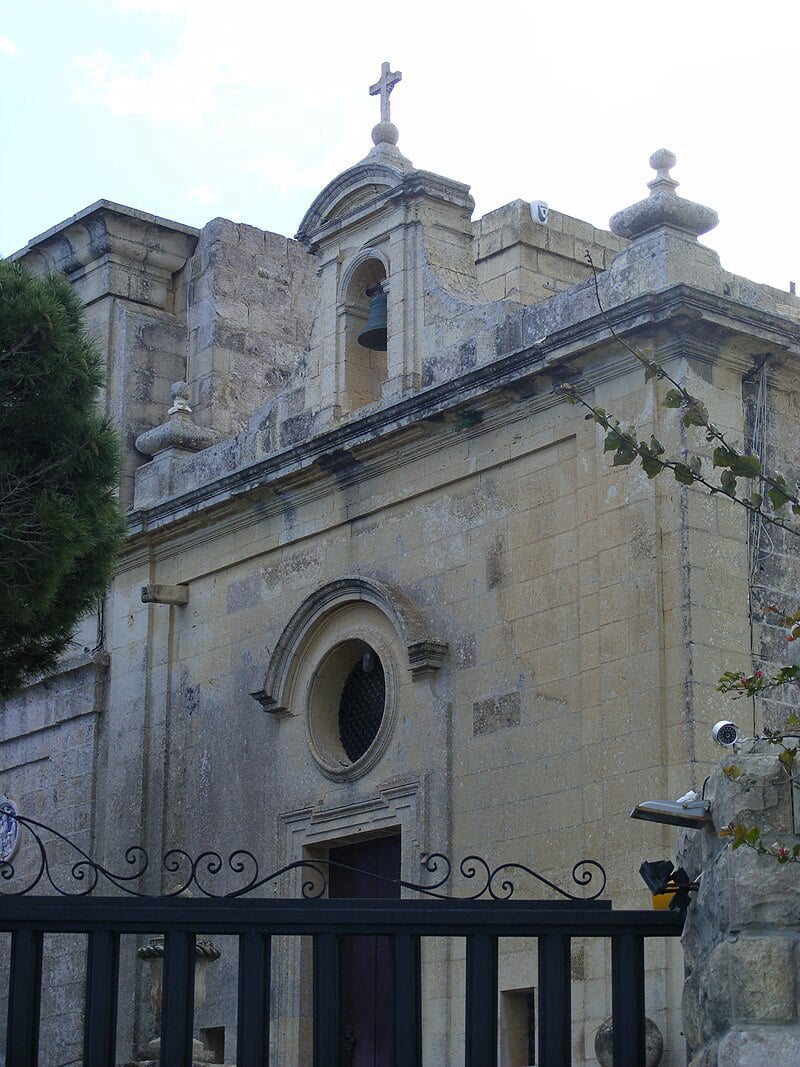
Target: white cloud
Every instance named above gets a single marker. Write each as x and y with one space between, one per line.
203 193
163 90
206 57
288 172
8 48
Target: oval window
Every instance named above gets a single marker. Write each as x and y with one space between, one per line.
361 705
351 705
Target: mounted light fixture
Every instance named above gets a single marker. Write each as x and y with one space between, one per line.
688 811
669 886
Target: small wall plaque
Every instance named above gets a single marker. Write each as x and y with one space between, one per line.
9 829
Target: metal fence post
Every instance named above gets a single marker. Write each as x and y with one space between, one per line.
555 1001
627 992
100 1015
481 1001
24 996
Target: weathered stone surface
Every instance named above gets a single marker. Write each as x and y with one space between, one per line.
496 713
758 1047
706 1058
742 930
604 1044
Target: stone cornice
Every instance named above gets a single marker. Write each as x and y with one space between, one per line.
105 228
338 207
514 372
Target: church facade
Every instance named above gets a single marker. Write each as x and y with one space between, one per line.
391 596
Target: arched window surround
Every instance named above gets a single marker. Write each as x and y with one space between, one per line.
424 652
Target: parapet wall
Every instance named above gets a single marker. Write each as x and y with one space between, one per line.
518 258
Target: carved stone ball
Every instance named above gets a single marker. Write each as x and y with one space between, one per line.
385 133
604 1038
663 159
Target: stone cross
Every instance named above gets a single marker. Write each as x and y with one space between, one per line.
383 87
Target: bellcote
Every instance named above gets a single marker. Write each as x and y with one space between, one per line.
384 221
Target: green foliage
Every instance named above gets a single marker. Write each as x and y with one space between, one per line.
688 469
752 837
750 685
60 524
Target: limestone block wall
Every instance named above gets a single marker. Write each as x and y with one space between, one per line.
48 751
519 259
127 268
251 297
772 410
742 935
554 711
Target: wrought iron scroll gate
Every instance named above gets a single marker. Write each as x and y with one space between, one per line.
257 920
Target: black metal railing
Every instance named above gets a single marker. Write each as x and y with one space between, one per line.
480 919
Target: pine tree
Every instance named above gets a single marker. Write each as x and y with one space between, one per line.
60 523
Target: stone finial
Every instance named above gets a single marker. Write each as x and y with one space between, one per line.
180 432
385 133
662 161
383 88
663 207
179 393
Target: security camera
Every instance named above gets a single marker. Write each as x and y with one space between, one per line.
725 733
539 211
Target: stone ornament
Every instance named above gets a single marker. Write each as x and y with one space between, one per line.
604 1041
424 649
9 829
663 207
206 952
385 132
180 432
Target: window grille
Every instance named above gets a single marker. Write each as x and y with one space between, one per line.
361 705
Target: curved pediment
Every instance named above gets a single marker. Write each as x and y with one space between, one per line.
355 189
424 650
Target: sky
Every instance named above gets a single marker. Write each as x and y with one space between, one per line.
193 109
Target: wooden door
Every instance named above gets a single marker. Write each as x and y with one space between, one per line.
366 966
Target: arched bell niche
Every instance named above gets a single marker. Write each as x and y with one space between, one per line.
364 370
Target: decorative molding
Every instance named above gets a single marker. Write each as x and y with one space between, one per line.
364 255
330 207
398 805
540 350
165 594
105 228
425 653
425 657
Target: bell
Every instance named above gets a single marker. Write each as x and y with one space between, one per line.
374 333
